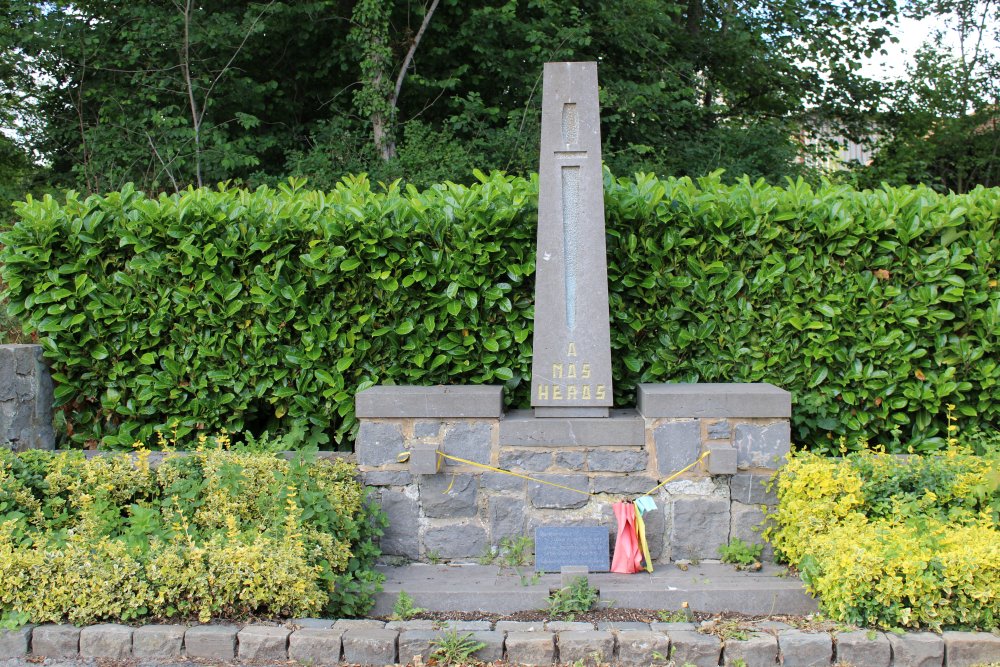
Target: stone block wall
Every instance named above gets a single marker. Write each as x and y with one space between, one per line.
25 399
463 511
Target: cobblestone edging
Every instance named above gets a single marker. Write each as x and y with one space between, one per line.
317 642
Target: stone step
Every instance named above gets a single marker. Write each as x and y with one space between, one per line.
706 587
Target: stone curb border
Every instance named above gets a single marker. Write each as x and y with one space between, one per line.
317 642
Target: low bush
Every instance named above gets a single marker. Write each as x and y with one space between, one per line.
894 541
216 533
270 310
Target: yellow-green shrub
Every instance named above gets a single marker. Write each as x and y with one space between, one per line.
895 542
215 533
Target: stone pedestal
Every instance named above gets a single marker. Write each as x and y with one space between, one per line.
463 510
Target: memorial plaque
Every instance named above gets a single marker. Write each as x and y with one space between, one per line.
571 366
559 546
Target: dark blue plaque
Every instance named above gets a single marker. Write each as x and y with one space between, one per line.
559 546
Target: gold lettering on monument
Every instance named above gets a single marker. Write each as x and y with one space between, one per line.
572 371
571 392
556 393
601 394
586 392
543 392
557 371
586 371
571 350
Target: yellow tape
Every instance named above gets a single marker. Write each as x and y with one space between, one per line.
508 472
676 474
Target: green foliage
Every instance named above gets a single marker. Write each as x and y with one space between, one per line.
454 649
577 598
403 609
269 310
895 542
215 533
739 553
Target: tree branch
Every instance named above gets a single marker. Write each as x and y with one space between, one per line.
409 54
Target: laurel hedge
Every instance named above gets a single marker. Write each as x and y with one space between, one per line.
270 309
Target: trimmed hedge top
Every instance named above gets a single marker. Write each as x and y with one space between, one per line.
271 309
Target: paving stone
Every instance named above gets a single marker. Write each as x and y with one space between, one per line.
747 523
568 626
417 645
387 477
641 648
263 643
525 459
805 649
965 649
448 496
107 640
677 445
456 541
574 460
756 651
15 643
520 626
718 429
470 441
315 646
544 496
603 460
752 488
370 646
378 443
212 642
589 647
762 446
917 649
863 648
622 626
401 535
346 624
530 648
700 527
321 623
468 626
55 641
690 647
159 642
492 651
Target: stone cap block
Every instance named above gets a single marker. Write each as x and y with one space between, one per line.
707 399
443 402
521 428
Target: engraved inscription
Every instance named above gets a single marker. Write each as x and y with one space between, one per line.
570 124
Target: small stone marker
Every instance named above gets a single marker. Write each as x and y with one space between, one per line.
559 546
571 366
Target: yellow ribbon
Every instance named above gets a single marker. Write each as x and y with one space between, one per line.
676 474
508 472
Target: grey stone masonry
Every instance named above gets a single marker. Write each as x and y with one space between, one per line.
678 444
520 428
417 644
26 395
378 443
762 446
588 647
370 646
212 642
966 649
455 541
159 642
400 537
753 488
605 460
747 524
471 441
917 649
449 496
755 651
108 640
467 401
55 641
553 497
805 649
638 648
530 648
525 459
263 643
492 650
690 647
315 646
713 400
15 643
863 648
700 527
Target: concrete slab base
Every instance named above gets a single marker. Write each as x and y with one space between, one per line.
707 587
